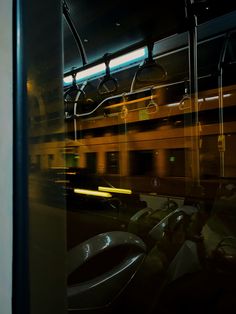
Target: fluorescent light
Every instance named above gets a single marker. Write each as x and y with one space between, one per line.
127 58
114 64
211 98
92 192
217 97
114 190
173 104
95 70
68 79
100 68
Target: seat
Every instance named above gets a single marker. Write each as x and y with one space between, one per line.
173 219
100 291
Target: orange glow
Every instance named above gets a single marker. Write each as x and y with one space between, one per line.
131 102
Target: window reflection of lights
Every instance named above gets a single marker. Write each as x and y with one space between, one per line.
97 69
211 98
173 104
172 158
125 59
61 181
129 102
87 250
217 97
132 260
115 63
179 217
200 100
68 79
107 242
114 190
92 193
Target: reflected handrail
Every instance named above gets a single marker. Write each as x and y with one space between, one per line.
149 63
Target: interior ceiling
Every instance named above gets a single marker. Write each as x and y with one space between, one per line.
107 26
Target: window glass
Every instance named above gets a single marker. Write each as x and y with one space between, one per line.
112 162
41 53
91 162
164 160
132 177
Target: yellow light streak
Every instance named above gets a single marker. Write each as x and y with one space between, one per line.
62 181
131 102
92 192
114 190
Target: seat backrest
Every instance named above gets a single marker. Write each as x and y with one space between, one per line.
101 290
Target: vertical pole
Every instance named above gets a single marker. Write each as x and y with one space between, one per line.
221 136
193 90
20 166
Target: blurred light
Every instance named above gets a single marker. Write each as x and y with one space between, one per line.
217 97
114 190
127 58
200 100
68 79
97 69
173 104
61 181
122 103
92 192
114 64
211 98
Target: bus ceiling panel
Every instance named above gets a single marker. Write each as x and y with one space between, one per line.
109 26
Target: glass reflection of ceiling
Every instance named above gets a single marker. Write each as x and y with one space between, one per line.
109 26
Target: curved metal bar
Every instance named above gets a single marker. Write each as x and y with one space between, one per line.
81 90
81 115
78 41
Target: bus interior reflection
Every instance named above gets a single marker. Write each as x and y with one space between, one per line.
145 161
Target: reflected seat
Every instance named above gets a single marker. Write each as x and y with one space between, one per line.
100 290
